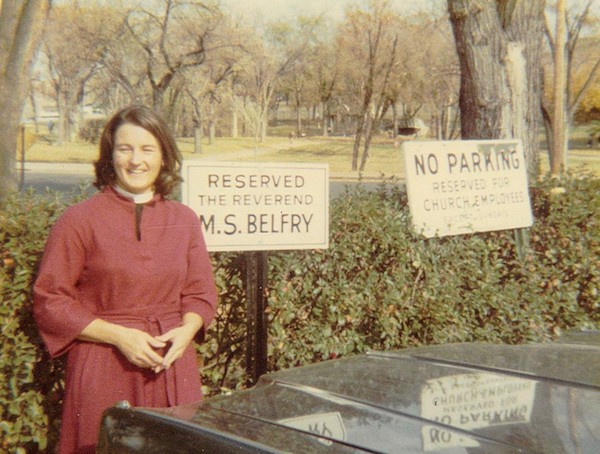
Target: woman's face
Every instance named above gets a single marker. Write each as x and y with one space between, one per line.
137 158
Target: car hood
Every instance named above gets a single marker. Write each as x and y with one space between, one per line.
449 398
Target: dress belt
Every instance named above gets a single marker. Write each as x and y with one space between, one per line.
164 323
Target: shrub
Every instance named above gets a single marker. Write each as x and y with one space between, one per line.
30 384
91 130
378 286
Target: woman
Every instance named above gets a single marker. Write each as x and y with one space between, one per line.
126 283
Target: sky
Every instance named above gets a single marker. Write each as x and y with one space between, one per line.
264 11
284 9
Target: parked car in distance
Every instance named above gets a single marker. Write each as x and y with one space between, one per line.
455 398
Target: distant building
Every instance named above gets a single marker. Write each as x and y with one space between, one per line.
46 111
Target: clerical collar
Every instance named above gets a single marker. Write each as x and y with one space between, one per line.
137 198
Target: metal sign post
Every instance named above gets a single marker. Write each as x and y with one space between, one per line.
256 207
256 304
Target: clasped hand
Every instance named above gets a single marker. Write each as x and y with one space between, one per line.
141 349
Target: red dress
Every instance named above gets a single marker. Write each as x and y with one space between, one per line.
97 264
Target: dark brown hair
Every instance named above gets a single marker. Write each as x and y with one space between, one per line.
146 118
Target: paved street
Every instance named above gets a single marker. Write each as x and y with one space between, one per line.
65 178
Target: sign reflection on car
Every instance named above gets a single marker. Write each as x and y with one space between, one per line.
473 401
329 425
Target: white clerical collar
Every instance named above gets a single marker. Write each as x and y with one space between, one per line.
137 198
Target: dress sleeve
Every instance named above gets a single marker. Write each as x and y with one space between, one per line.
199 293
58 313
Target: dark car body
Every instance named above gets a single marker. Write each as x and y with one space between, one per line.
456 398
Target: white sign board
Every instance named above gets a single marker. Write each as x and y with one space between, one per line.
458 187
259 206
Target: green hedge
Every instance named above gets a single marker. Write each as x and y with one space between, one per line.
30 384
378 286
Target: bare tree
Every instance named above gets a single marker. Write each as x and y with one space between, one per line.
297 87
326 80
207 84
121 77
425 79
204 90
575 21
438 76
21 25
371 48
74 43
499 47
173 41
260 76
270 60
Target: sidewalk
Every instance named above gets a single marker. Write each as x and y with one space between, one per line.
76 168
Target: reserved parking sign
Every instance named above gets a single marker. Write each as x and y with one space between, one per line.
259 206
459 187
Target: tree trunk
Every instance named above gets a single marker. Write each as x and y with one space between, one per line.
198 138
368 138
298 121
197 120
526 25
34 108
61 127
481 48
557 163
548 132
325 113
21 25
212 123
234 124
357 141
234 117
394 120
499 46
158 98
362 124
263 120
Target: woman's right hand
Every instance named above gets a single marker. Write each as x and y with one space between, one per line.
137 346
140 347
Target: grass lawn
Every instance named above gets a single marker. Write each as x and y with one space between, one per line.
385 158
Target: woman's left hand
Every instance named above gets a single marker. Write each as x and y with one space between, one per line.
179 338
